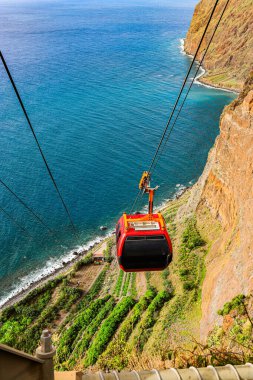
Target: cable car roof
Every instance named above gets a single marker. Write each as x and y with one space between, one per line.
148 225
144 222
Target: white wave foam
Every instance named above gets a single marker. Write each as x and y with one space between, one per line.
202 71
51 266
54 264
181 46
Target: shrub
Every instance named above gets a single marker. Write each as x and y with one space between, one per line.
126 284
94 290
67 339
107 330
191 264
133 289
85 261
108 251
83 340
191 238
113 356
237 303
119 283
149 319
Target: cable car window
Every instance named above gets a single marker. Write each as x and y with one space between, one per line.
154 237
145 251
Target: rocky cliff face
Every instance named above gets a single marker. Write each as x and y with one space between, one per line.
229 59
225 189
228 194
224 192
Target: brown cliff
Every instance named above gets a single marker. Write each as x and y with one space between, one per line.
229 59
225 189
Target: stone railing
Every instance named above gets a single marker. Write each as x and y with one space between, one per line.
16 365
228 372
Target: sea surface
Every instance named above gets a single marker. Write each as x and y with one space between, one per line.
98 82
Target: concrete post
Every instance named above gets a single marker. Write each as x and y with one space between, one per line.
46 352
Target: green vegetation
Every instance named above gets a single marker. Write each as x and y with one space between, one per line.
94 290
107 330
166 282
117 334
119 283
191 264
236 332
67 339
30 339
126 284
91 295
237 303
16 320
149 319
115 355
81 263
24 315
32 304
148 277
108 251
83 340
133 290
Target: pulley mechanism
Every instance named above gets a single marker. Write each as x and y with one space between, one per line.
144 185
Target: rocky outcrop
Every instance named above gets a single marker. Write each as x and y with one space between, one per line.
229 59
225 189
228 194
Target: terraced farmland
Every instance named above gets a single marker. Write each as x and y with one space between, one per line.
101 316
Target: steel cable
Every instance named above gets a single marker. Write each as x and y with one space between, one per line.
38 145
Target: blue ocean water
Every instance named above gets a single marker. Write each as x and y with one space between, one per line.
98 83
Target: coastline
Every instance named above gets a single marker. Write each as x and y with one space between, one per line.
61 266
21 293
65 269
65 263
202 72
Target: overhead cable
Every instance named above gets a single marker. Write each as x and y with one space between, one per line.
35 215
9 216
179 96
38 144
191 84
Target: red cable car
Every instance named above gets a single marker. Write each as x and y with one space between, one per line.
143 243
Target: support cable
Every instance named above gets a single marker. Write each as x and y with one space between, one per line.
35 215
180 93
183 86
135 201
191 84
23 229
38 145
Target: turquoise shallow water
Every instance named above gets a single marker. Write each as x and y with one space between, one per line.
98 84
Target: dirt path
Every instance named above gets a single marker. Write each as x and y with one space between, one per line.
85 276
141 283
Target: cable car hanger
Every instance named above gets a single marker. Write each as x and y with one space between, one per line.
163 141
143 242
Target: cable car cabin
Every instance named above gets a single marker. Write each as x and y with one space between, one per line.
143 243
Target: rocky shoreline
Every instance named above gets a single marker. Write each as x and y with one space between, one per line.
201 78
79 255
67 267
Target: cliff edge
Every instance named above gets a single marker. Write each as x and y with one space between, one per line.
229 59
223 196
